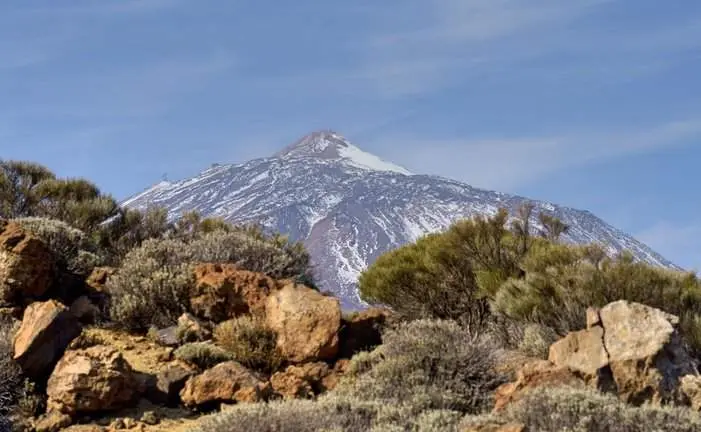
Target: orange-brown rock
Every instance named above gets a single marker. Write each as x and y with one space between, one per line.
538 374
91 380
301 381
222 292
362 331
98 278
224 383
46 331
306 322
53 422
26 266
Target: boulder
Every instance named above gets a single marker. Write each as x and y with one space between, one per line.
362 331
537 374
190 329
631 349
167 337
169 382
584 352
91 380
222 292
301 381
26 266
306 322
46 331
224 383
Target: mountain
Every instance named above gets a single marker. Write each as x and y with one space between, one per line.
349 206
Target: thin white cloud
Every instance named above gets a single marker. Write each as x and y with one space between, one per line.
679 242
459 40
507 163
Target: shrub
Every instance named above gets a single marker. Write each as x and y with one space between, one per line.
451 275
250 342
562 281
330 413
428 365
11 380
152 285
584 410
73 250
250 250
202 354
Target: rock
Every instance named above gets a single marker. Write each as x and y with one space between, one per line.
631 349
223 292
53 422
646 352
584 352
46 331
226 382
167 337
98 278
26 266
306 323
190 329
150 418
362 331
91 380
691 391
537 374
593 318
84 310
300 382
169 382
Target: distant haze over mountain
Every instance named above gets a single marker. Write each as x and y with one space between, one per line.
349 206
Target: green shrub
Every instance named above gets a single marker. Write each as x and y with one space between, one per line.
202 354
250 342
561 282
73 250
583 410
428 365
451 275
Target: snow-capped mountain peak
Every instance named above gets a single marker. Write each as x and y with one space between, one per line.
349 207
331 146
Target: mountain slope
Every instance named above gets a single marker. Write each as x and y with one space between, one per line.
349 206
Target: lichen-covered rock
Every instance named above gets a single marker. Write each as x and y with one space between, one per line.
91 380
224 383
631 349
46 331
306 322
26 266
222 292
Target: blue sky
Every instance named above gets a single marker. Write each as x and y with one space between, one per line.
594 104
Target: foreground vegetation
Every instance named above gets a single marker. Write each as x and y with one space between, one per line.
469 298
